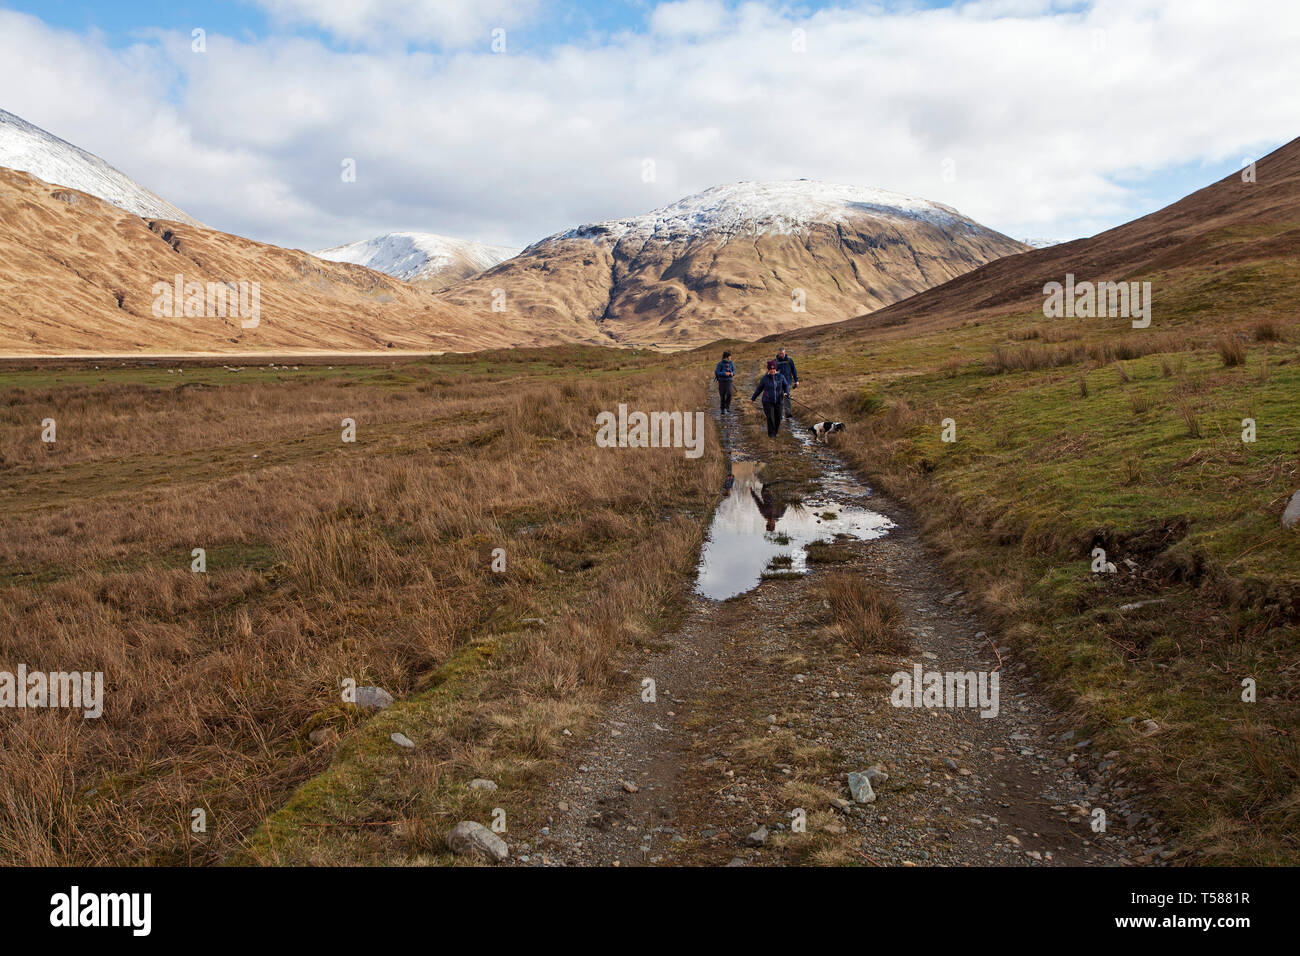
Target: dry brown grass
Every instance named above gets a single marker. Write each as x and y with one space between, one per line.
1141 402
1231 350
1190 414
325 561
866 615
1267 332
1028 358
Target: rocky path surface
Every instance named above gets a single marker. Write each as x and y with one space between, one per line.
759 715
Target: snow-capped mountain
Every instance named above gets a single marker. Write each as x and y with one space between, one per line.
32 150
1042 243
766 208
742 260
420 256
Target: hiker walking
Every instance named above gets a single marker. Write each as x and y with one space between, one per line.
724 372
774 387
786 365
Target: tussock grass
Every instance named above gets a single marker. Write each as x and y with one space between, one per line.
1232 351
1187 410
864 614
367 561
1029 358
827 552
1267 332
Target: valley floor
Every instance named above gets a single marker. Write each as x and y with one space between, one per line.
373 560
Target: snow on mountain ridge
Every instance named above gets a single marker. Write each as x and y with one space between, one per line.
414 256
780 207
30 149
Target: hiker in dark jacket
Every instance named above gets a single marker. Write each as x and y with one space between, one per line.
724 372
774 387
786 364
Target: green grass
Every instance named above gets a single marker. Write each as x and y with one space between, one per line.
1039 474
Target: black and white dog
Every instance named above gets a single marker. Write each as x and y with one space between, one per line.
822 429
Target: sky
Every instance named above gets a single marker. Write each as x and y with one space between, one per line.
506 121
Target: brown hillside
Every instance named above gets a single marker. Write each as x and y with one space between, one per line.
1232 247
681 288
77 274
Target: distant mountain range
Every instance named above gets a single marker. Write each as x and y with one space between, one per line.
740 260
420 257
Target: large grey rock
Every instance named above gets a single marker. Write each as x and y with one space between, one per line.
860 788
480 783
757 838
468 838
373 698
1291 517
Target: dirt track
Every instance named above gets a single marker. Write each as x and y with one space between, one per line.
758 714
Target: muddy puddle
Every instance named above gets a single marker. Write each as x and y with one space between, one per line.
755 530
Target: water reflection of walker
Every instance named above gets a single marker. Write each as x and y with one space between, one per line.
771 503
756 522
769 506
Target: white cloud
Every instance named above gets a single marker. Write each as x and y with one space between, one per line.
1046 126
447 23
688 18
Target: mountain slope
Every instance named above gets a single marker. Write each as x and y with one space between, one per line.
1233 246
738 261
32 150
81 275
420 257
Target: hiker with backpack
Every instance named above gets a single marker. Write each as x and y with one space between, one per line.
724 372
786 366
774 387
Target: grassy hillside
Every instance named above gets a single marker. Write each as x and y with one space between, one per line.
1074 434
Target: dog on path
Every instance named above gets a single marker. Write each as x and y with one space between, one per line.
822 430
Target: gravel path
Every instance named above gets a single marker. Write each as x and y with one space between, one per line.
759 716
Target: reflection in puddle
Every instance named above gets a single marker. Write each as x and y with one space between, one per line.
754 524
